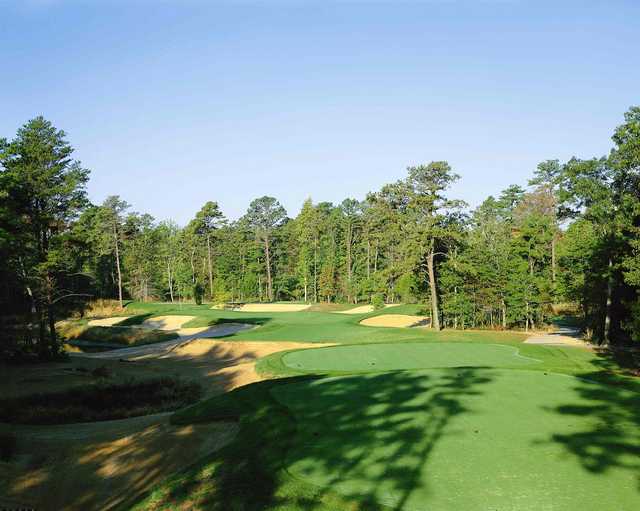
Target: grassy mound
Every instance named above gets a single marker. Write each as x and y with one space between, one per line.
99 402
120 335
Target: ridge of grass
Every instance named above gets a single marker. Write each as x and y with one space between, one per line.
121 335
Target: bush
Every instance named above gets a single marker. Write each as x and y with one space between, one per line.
7 445
198 293
377 301
100 402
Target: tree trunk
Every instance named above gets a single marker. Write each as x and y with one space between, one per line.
375 259
170 280
267 256
435 313
504 315
193 265
115 238
305 289
210 267
315 269
53 340
553 261
607 317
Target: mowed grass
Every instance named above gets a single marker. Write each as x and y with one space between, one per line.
390 357
466 438
493 424
314 326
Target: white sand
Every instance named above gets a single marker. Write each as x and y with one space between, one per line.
107 321
397 321
564 336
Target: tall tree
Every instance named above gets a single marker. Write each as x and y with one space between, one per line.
264 215
109 224
45 189
207 221
429 209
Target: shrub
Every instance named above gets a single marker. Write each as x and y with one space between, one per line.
7 445
377 301
101 401
198 293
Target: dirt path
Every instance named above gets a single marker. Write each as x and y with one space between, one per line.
563 336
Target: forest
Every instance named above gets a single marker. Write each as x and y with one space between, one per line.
568 236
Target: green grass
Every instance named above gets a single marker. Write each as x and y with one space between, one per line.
471 438
317 326
390 357
411 419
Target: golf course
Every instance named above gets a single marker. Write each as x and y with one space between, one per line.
322 255
345 416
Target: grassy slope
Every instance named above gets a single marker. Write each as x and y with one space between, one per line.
251 473
121 335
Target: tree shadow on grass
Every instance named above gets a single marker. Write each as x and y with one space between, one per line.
612 405
362 442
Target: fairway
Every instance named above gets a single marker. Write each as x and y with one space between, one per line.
389 357
468 439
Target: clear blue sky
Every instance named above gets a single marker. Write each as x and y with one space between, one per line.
173 103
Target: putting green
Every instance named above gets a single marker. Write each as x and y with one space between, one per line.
390 357
467 438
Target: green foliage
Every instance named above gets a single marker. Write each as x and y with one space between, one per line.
573 236
198 293
377 301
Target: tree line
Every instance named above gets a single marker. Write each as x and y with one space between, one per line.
570 236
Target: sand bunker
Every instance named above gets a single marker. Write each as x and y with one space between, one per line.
108 321
272 307
397 321
564 336
166 322
364 309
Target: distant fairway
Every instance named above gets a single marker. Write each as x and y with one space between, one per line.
461 439
389 357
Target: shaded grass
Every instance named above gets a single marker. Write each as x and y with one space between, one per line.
99 402
248 474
